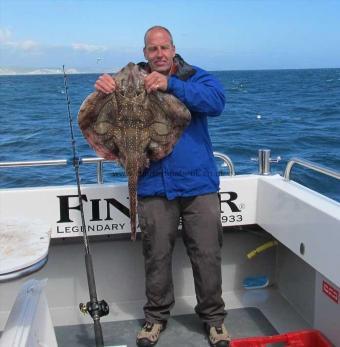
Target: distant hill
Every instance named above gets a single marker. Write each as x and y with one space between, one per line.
49 71
42 71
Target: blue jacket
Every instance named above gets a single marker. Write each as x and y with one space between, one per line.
190 169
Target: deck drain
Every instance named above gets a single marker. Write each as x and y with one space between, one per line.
302 248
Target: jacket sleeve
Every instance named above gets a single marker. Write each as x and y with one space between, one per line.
201 93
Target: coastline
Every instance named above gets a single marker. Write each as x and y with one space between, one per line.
49 71
74 71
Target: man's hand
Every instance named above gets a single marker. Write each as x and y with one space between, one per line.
155 81
106 84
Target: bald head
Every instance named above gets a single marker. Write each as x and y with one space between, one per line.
159 28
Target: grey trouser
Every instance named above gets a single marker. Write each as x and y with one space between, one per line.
202 236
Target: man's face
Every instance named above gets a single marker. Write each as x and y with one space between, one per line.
159 51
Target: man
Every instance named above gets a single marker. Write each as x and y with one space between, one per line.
184 184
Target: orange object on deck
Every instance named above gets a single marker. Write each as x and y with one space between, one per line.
302 338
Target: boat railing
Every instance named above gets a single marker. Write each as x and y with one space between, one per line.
226 161
310 165
60 162
95 160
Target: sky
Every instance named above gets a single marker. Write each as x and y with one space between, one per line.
105 35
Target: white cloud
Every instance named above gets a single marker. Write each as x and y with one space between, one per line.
84 47
5 35
26 45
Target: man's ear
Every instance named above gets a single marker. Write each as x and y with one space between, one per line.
144 52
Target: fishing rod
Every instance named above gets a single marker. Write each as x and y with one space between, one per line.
94 307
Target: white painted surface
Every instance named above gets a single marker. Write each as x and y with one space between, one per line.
22 243
45 203
327 310
102 213
245 188
29 323
294 214
119 273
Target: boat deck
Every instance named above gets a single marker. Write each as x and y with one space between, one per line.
267 313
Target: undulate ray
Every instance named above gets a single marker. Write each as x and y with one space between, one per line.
132 127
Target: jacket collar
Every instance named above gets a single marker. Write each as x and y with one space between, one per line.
181 68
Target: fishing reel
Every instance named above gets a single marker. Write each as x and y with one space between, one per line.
100 308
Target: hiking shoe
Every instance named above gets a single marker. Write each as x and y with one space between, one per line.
149 334
218 336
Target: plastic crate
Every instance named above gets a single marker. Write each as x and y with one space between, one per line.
302 338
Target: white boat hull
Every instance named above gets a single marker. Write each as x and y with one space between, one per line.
290 213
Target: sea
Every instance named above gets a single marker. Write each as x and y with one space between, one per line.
294 113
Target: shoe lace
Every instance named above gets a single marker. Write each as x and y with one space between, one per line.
148 326
219 330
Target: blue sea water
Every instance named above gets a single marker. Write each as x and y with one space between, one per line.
295 113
